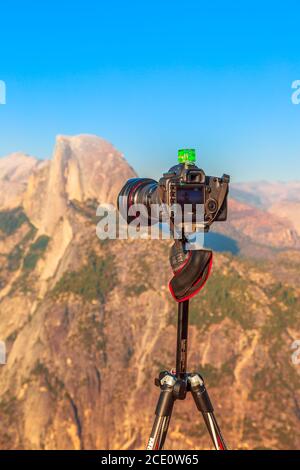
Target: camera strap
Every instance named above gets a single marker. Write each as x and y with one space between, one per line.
190 277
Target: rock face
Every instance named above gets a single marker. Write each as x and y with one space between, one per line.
89 324
280 199
253 226
15 171
83 168
288 211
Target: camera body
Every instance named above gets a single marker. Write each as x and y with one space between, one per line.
184 184
188 184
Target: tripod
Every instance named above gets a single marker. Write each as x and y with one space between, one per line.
175 386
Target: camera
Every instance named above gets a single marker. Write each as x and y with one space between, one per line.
185 186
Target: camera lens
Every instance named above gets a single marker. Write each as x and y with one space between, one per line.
138 191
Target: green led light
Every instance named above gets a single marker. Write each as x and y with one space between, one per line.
186 156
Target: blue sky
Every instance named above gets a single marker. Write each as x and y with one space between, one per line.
155 76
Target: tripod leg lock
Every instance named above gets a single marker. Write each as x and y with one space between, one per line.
200 394
166 399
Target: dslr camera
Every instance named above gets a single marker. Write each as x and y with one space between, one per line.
184 186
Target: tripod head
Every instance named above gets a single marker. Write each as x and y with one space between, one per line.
191 270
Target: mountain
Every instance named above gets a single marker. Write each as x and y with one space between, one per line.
88 324
257 232
83 168
281 199
288 210
266 193
15 170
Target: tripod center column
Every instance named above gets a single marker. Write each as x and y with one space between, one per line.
182 338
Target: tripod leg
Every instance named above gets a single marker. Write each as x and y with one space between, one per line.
163 414
204 405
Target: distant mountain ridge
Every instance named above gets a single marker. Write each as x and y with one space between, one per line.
281 199
15 171
79 169
266 193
